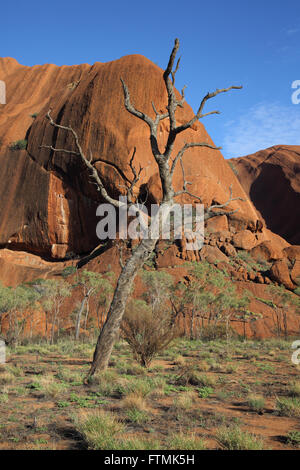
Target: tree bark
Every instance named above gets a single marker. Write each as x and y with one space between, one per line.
109 332
78 319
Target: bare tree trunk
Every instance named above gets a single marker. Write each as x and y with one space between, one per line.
78 318
192 324
86 314
109 332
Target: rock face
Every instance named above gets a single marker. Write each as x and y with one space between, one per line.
47 202
271 179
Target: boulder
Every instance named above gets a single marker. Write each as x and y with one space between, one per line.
217 224
244 240
280 273
212 255
292 252
295 272
266 251
228 249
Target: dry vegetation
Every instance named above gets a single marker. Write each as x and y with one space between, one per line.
194 396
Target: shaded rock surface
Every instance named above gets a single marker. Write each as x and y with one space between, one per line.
271 179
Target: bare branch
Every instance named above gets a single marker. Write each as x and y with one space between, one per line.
172 102
132 110
212 213
187 146
171 59
199 114
94 174
231 199
185 183
136 177
159 117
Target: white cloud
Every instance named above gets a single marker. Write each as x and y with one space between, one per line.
264 125
292 31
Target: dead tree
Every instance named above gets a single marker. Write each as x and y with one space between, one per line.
166 163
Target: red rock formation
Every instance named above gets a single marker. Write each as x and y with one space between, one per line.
48 205
271 179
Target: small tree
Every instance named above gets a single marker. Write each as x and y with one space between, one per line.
160 286
5 302
53 294
211 297
92 284
14 302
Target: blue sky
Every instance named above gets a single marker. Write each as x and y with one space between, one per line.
253 43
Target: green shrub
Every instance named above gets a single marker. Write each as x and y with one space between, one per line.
18 145
293 438
205 392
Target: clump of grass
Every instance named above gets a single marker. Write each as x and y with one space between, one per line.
159 387
293 438
181 441
16 371
137 416
233 438
190 376
6 378
256 403
47 386
4 397
107 382
204 367
230 369
134 401
288 406
179 360
294 389
99 429
134 369
184 401
135 407
54 389
142 387
68 376
21 391
135 443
